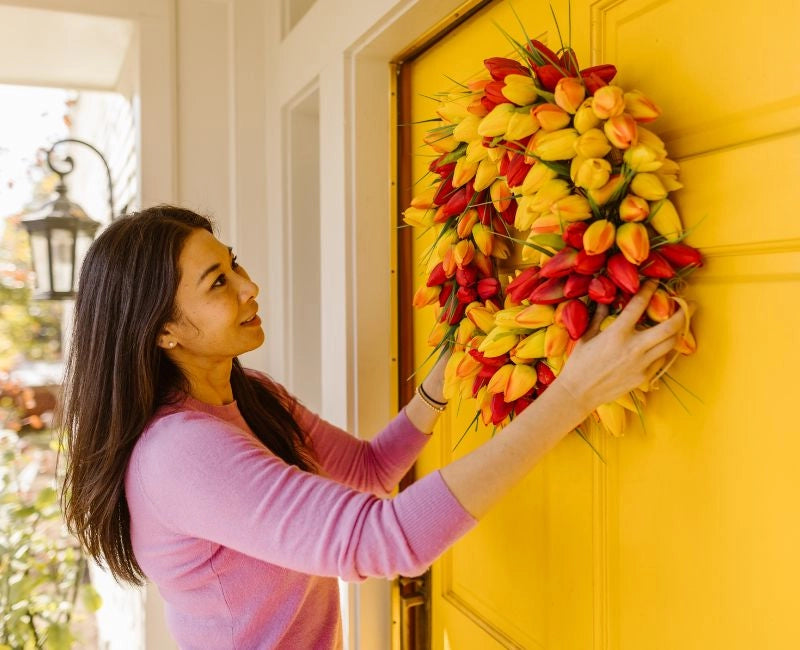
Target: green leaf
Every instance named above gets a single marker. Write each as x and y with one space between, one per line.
550 239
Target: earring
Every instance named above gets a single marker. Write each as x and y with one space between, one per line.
172 344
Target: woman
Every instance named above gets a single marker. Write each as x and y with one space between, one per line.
236 501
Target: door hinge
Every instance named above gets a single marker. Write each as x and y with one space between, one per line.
415 612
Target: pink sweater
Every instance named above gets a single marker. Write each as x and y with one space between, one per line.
245 548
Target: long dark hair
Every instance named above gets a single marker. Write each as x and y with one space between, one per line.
116 378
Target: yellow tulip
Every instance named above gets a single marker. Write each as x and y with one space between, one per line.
650 139
464 333
556 339
506 317
418 218
648 186
425 198
463 252
441 142
521 125
572 208
425 296
481 316
537 176
500 249
524 216
446 242
519 89
452 112
486 174
641 158
532 346
666 221
498 342
593 174
496 122
476 152
463 172
612 415
535 316
549 193
668 175
547 224
467 129
556 145
602 195
499 380
437 334
523 378
484 239
593 143
585 119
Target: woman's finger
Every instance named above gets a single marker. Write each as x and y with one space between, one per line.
669 328
594 327
635 308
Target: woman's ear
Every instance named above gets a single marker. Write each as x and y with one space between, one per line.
166 339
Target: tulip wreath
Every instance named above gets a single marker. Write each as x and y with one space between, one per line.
547 170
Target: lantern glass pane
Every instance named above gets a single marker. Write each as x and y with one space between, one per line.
62 241
81 248
41 261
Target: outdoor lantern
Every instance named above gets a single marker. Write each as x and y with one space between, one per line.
61 233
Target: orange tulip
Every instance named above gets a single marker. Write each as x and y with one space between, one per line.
556 338
621 131
569 94
634 242
523 378
550 117
425 296
633 208
482 317
499 380
501 195
640 107
661 306
599 237
608 101
463 252
466 222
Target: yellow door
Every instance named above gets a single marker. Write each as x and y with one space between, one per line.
688 536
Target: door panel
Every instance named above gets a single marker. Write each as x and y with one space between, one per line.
686 536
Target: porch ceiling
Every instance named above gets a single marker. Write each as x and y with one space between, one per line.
67 50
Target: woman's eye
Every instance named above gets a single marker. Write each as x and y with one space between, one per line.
220 281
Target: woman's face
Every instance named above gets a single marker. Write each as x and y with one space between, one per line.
216 304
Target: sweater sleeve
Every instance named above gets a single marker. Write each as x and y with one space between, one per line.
205 478
373 466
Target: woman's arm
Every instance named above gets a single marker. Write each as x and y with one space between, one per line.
602 367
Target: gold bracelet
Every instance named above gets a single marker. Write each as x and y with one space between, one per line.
437 406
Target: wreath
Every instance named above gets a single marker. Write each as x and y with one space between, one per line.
548 195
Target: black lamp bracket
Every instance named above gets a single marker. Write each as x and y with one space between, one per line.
71 163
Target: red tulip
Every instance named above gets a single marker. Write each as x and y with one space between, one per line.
540 54
457 203
561 264
485 209
466 276
444 294
521 404
488 287
499 67
519 288
577 285
589 264
575 317
437 276
494 93
466 295
681 254
444 192
655 266
516 171
622 273
550 292
545 374
500 408
549 76
573 234
602 290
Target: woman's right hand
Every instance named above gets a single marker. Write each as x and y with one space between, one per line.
606 365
